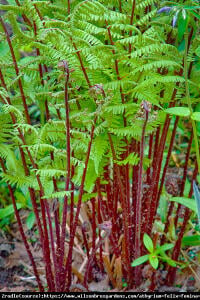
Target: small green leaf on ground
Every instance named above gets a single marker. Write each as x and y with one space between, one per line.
165 247
153 261
140 260
148 243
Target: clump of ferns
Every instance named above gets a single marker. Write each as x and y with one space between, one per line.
100 80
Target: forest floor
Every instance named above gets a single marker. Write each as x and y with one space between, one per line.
16 272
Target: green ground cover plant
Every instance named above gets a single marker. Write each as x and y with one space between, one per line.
99 102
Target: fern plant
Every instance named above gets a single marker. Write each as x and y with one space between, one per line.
99 75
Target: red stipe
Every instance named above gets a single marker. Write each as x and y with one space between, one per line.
131 23
56 208
68 7
32 196
189 146
26 20
149 157
72 198
39 14
85 242
38 54
103 204
157 167
25 240
134 197
135 173
138 211
57 225
118 75
168 157
58 114
31 191
94 260
116 67
156 176
120 6
45 243
91 259
3 82
125 214
156 144
16 71
128 195
108 189
82 66
49 273
68 159
52 245
94 225
184 177
36 213
115 206
41 74
41 288
103 210
68 266
176 250
171 207
100 220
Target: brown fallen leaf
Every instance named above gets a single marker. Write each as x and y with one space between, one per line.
118 272
16 289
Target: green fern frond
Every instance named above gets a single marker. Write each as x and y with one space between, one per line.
99 148
17 180
120 108
6 128
5 151
157 64
144 3
49 173
13 109
14 8
144 20
60 194
153 48
132 159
